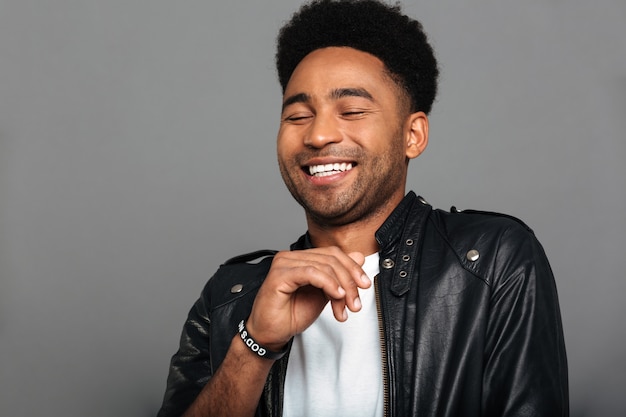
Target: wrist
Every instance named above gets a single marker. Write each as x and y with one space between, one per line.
258 349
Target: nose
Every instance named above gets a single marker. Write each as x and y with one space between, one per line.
323 131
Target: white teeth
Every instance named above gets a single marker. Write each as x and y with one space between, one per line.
329 169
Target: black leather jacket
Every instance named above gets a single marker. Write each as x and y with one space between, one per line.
470 320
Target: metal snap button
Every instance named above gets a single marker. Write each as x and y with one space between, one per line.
406 258
409 242
472 255
402 274
387 263
236 289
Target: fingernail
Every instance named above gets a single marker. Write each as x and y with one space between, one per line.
357 303
345 313
342 292
365 279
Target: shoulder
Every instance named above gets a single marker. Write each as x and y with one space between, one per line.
485 242
238 277
252 258
459 224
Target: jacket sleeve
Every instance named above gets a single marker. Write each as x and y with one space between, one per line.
525 362
210 327
190 367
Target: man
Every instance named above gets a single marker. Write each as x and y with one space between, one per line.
385 306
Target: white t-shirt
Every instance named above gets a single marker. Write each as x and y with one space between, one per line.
334 368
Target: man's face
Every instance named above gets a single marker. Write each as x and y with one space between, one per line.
343 138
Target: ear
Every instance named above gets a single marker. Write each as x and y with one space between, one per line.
416 134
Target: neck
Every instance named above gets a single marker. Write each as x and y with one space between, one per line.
347 238
358 236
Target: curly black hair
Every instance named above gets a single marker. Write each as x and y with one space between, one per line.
369 26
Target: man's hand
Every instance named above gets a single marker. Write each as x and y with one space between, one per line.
298 286
294 293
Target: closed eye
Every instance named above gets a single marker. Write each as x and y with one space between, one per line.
297 118
353 114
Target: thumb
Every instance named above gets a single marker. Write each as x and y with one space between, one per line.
357 257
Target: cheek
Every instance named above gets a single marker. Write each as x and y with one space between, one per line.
383 141
289 142
283 153
286 137
282 145
286 154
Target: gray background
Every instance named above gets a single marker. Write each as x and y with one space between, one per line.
137 153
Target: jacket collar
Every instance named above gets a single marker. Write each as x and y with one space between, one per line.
391 230
400 241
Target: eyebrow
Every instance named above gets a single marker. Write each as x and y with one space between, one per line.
296 98
335 95
351 92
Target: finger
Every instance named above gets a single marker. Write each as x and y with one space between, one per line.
359 258
329 269
332 256
338 266
319 275
348 271
339 310
330 276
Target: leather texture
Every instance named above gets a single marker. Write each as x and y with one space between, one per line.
470 315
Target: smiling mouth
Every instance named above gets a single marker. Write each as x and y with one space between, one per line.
328 169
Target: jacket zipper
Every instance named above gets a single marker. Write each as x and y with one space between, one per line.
383 348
